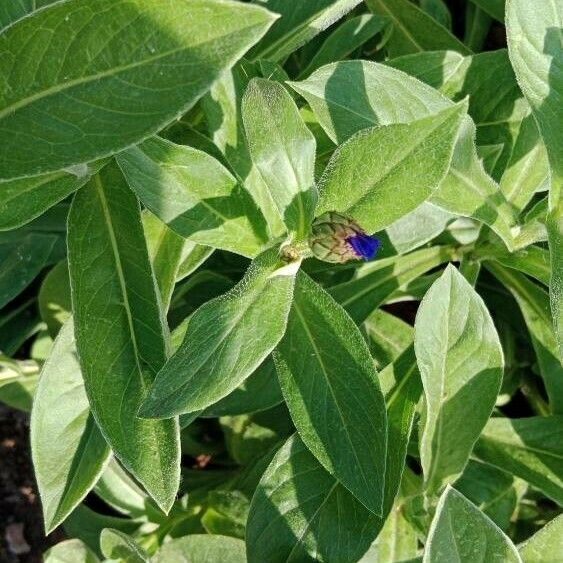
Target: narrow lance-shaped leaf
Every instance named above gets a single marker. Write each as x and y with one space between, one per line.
353 33
194 195
413 29
25 199
370 176
461 532
283 150
69 452
534 304
494 491
119 546
530 448
120 330
22 261
316 527
330 386
461 364
299 23
119 71
543 545
299 512
534 44
375 282
226 340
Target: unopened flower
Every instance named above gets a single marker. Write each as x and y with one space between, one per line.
337 238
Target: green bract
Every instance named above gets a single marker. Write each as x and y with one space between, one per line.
281 281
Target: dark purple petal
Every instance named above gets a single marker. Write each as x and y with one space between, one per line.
364 246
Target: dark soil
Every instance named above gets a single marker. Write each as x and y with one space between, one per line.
22 538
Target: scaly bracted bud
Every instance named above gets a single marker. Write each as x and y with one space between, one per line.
338 239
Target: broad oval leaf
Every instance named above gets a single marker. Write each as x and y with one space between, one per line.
283 150
194 195
300 513
461 364
370 176
119 72
226 340
69 452
530 448
331 389
119 329
461 532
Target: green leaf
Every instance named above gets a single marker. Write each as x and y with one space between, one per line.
369 179
298 24
501 113
532 260
417 227
374 283
223 112
223 346
119 491
261 391
85 96
198 548
118 546
331 389
388 337
22 262
87 525
299 512
439 11
71 551
461 532
400 382
353 33
530 448
534 304
494 8
69 452
119 329
25 199
555 237
491 490
54 298
283 150
353 95
543 545
397 540
534 46
194 195
413 29
469 191
461 364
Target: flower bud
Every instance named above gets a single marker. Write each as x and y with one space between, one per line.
337 238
